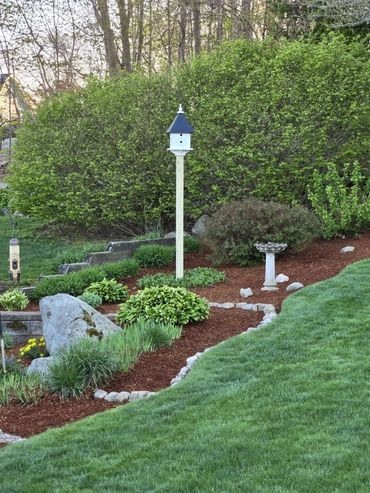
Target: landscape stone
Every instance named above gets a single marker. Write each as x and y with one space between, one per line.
226 306
111 397
347 249
40 365
200 227
150 394
266 308
100 394
172 234
245 292
281 278
190 361
175 381
246 306
123 397
6 438
294 286
138 394
66 319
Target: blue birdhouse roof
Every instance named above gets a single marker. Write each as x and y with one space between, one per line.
180 125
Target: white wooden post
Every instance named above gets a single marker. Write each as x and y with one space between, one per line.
179 216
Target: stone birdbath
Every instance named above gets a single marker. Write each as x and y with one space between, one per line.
270 249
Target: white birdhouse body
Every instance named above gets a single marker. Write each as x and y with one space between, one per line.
180 134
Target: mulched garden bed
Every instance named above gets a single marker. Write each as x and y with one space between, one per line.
154 371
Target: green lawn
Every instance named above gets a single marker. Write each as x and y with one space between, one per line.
39 253
284 409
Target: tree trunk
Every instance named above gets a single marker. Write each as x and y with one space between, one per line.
196 26
125 12
182 31
102 16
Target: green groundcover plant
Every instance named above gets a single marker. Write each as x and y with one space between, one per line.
92 299
164 304
155 255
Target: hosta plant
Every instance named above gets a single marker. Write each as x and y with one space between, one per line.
92 299
109 290
13 300
164 304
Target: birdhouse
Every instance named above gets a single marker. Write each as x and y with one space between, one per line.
180 133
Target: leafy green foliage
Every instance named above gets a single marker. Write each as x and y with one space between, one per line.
123 268
8 340
266 115
110 290
92 299
193 278
168 304
74 283
85 364
13 299
341 200
155 255
236 227
4 198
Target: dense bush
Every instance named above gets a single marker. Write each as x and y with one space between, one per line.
155 255
110 290
164 304
13 300
236 227
265 116
91 299
191 244
193 278
341 200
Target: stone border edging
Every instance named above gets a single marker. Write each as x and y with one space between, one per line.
123 396
6 438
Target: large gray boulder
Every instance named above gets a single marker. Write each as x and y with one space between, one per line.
200 227
66 319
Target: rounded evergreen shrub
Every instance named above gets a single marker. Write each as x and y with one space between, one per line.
164 304
236 227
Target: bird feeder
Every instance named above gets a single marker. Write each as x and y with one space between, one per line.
14 260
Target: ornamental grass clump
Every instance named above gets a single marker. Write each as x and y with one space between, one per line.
19 387
109 290
13 300
193 278
168 304
149 256
85 364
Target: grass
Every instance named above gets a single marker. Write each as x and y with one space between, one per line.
281 410
39 254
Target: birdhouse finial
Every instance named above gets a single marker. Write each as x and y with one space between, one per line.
180 109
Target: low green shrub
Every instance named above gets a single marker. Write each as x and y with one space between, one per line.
74 283
92 299
168 304
77 253
86 364
236 227
155 255
110 290
13 300
18 387
191 244
149 235
193 278
123 268
341 199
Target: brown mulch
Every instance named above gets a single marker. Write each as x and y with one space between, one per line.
153 371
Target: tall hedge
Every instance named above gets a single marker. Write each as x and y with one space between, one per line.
265 116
